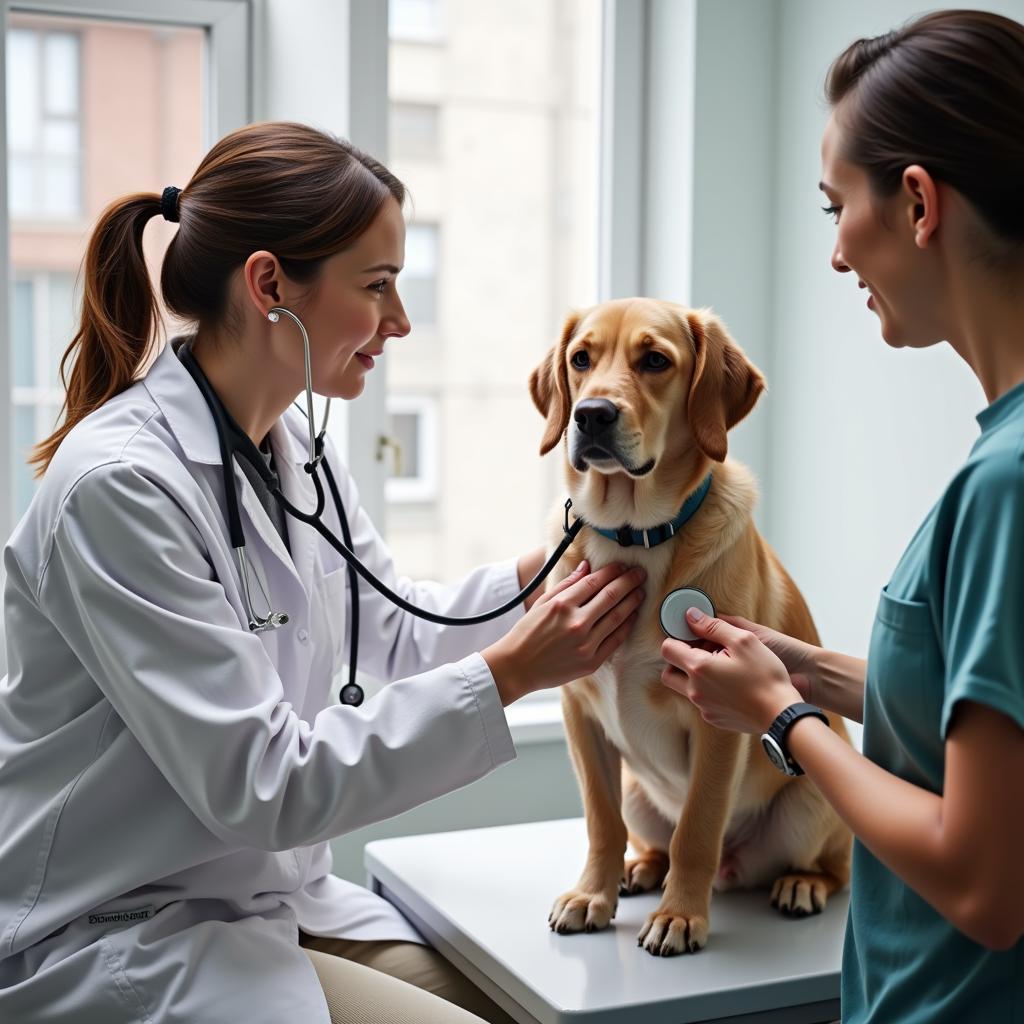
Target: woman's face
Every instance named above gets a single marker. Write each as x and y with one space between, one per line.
875 239
354 307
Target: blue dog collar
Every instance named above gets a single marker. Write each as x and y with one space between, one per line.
627 537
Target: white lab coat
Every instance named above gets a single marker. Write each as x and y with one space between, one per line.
169 780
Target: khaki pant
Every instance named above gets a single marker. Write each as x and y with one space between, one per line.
395 983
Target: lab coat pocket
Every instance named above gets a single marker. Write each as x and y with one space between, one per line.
334 588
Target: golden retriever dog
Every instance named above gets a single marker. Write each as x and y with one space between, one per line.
642 394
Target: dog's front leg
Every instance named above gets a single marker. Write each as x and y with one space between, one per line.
591 905
680 924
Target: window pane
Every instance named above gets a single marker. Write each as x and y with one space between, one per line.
61 189
21 189
415 19
23 337
60 138
404 429
22 81
511 190
60 64
67 108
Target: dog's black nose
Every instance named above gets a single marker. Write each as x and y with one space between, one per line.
595 415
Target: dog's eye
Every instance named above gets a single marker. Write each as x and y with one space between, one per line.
580 360
654 361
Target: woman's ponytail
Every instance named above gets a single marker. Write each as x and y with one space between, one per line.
288 188
119 317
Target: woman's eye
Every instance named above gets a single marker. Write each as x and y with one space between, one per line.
580 360
833 212
654 361
379 286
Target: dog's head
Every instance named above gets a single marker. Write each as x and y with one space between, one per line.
635 382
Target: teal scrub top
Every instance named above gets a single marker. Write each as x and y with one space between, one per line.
949 627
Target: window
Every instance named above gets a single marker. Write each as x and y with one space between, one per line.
68 157
510 202
414 131
44 125
412 430
418 283
414 20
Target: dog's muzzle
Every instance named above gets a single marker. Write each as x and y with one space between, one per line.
595 438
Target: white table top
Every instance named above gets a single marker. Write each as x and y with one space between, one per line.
482 897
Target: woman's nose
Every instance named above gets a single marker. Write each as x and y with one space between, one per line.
838 263
396 323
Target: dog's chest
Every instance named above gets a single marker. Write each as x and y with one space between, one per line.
649 726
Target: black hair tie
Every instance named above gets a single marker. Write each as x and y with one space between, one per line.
169 203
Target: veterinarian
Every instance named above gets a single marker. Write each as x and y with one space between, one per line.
171 765
923 164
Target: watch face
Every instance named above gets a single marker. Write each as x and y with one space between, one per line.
775 755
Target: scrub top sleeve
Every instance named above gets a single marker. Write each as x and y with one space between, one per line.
983 633
394 643
129 586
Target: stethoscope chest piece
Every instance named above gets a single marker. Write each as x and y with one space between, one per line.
352 695
673 611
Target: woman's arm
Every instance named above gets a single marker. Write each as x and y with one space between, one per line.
837 684
960 851
527 567
829 679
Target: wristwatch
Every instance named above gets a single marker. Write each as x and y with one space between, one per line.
774 740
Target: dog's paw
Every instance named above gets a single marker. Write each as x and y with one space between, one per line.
799 895
643 874
669 934
577 911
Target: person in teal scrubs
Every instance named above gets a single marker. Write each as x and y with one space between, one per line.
923 168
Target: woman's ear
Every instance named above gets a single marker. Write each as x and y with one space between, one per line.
724 387
549 386
920 189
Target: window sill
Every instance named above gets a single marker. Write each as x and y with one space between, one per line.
536 722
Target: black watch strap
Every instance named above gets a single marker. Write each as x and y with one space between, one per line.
779 729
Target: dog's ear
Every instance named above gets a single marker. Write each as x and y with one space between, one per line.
725 384
549 386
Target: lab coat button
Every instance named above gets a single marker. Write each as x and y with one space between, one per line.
303 636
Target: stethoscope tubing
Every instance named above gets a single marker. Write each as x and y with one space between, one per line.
314 519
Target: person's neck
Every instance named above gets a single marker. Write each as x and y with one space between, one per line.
988 318
242 372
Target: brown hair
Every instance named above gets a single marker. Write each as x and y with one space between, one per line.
288 188
945 91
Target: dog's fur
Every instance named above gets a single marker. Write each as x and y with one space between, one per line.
702 807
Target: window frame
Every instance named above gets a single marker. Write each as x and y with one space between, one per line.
423 486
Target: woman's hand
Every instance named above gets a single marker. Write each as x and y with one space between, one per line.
740 686
797 655
568 633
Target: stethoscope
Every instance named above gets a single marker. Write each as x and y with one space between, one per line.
235 443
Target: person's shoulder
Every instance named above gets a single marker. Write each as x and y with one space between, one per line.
125 430
990 484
